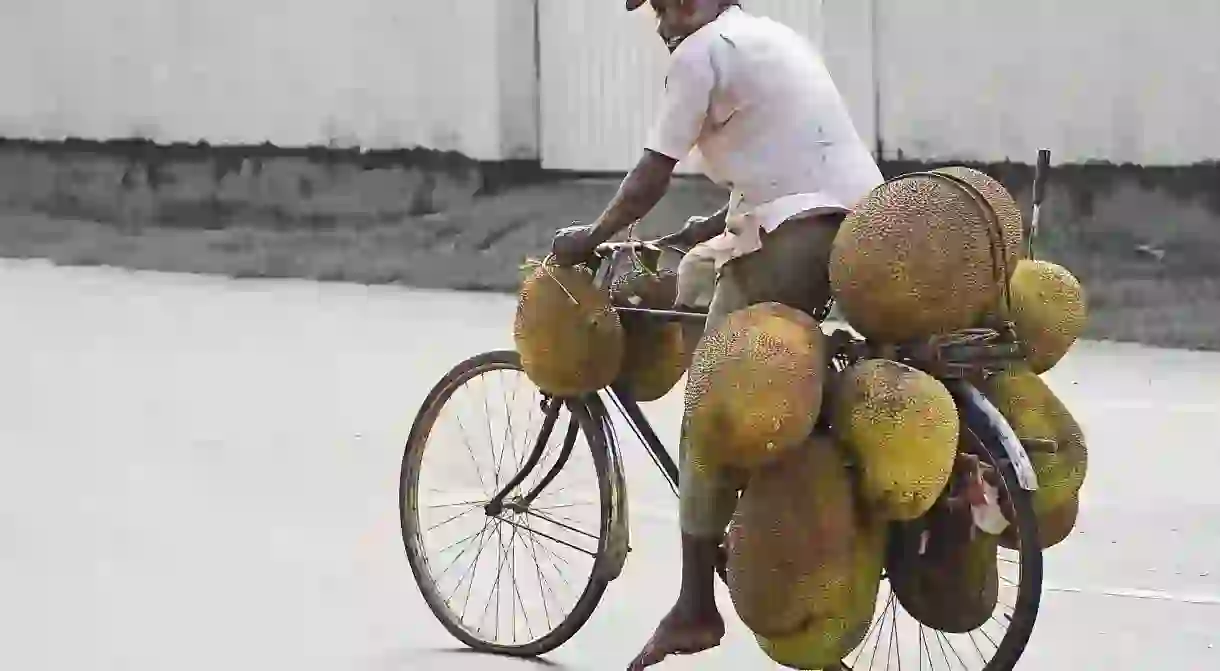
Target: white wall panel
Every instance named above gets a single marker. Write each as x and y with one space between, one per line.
372 73
1090 79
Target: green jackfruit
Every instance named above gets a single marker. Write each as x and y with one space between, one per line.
955 585
1054 525
569 337
1037 414
831 634
901 427
792 541
914 259
755 385
1012 224
1049 311
655 354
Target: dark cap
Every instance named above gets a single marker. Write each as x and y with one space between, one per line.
634 4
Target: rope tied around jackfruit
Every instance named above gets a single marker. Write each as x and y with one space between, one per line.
546 264
995 237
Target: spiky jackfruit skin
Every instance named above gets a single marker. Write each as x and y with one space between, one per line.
655 354
1008 214
1049 311
755 386
1035 412
830 635
901 427
914 259
569 337
792 539
954 585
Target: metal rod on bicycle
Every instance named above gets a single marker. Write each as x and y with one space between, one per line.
1041 171
496 505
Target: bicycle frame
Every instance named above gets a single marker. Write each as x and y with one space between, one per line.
968 399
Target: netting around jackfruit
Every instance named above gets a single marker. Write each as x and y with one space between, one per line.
755 385
900 425
921 255
569 337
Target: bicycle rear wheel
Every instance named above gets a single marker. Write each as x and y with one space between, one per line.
531 536
896 640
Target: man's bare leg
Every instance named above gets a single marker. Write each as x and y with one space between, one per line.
694 623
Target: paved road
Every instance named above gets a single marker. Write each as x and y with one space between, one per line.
200 474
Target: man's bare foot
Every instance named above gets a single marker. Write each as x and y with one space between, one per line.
684 631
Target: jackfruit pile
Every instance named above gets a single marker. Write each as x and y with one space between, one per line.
929 254
878 486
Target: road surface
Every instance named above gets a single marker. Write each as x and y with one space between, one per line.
201 474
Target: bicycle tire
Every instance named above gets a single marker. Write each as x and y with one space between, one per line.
1029 592
594 433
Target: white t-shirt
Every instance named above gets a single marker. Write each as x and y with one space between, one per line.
756 100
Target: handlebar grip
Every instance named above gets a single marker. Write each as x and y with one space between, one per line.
1041 171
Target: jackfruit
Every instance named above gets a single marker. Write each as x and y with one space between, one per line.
655 354
1035 413
831 634
1054 526
755 386
954 585
1049 311
792 541
915 259
1012 224
942 567
901 427
569 337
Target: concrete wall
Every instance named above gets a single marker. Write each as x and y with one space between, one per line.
377 74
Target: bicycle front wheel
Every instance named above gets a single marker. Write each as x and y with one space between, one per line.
514 574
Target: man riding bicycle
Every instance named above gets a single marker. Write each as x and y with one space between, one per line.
757 101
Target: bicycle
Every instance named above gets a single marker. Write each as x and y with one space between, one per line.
507 503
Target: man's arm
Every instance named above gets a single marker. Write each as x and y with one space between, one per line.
699 229
688 91
640 191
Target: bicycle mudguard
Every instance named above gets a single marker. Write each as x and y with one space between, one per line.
985 419
611 564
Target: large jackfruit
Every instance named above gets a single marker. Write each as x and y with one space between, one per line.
1049 311
830 635
954 586
942 567
569 337
655 354
901 427
1036 415
793 540
1012 224
755 385
915 259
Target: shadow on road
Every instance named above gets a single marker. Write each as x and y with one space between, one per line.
474 655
